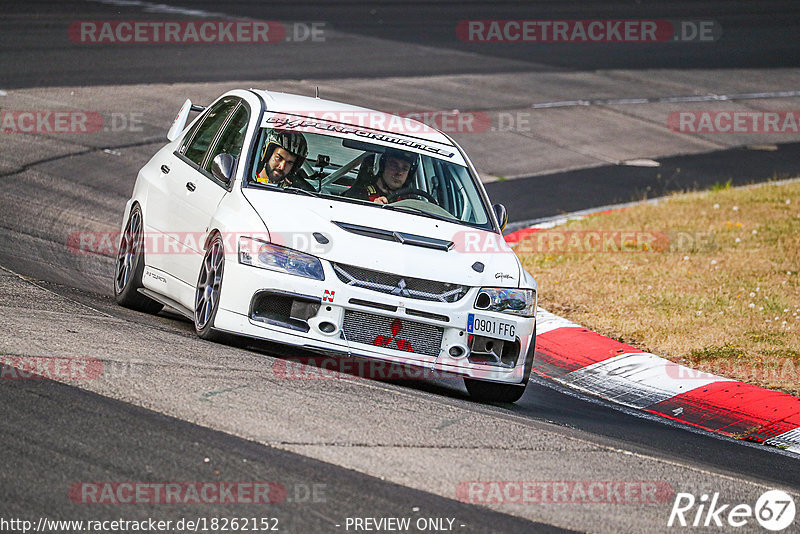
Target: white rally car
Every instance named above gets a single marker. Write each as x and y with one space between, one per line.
262 218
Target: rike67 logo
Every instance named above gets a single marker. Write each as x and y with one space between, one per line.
774 510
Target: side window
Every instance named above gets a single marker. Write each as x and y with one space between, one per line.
189 136
230 142
205 133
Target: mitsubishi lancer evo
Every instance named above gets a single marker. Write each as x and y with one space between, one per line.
334 228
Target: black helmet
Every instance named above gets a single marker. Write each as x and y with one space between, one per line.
295 143
410 157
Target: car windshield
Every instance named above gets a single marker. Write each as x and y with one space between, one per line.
351 170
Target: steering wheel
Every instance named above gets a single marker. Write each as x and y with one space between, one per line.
413 192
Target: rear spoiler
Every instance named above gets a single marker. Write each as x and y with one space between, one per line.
180 119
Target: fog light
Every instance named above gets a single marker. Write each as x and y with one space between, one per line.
327 327
457 351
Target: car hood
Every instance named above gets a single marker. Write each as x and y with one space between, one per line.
362 236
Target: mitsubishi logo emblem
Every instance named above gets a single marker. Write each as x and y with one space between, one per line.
400 289
394 329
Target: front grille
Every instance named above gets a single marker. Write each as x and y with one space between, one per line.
392 333
402 286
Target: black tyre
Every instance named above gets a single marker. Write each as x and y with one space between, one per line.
209 287
483 391
130 266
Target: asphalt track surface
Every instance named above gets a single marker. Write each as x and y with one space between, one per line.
610 184
760 34
55 434
72 425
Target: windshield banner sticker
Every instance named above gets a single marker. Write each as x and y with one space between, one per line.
311 124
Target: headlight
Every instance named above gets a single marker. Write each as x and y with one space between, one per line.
276 258
517 301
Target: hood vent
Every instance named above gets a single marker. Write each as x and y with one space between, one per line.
399 237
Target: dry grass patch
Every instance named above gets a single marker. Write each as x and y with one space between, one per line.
706 279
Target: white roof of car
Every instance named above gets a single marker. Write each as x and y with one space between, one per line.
356 116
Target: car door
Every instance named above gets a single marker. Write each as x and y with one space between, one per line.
166 193
194 192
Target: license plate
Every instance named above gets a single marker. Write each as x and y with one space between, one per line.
483 325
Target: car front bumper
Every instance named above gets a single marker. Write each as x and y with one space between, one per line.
343 320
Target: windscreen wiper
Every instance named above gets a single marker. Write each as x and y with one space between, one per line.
298 191
418 211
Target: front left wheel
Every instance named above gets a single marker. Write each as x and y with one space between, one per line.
130 266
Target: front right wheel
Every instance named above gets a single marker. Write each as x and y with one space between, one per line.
483 391
209 288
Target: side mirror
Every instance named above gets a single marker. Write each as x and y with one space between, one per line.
222 167
501 214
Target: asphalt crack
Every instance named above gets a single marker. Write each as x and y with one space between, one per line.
32 164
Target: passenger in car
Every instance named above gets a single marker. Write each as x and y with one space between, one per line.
395 167
283 156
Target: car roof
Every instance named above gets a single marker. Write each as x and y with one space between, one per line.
351 115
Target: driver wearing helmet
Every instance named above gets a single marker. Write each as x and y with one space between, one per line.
394 169
284 153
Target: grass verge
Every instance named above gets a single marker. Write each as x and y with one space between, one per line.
708 279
